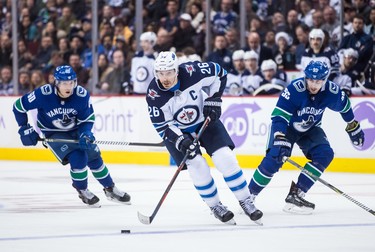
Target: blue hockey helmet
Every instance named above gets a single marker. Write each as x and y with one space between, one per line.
65 73
316 70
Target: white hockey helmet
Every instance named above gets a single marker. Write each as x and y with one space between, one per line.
148 36
350 52
238 55
251 55
317 33
165 61
268 65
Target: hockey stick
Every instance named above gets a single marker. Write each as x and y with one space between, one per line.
285 159
267 87
148 219
55 140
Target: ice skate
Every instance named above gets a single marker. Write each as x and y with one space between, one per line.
223 214
295 202
114 194
250 210
88 198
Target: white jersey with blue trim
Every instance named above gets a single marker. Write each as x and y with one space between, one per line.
180 109
299 109
56 114
141 72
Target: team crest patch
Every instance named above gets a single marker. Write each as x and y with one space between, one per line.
152 94
187 115
190 69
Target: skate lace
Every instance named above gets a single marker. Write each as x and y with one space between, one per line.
219 210
301 194
247 205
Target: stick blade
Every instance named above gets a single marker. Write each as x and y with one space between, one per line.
144 219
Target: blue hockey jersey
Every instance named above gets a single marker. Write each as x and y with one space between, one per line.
298 109
56 114
180 109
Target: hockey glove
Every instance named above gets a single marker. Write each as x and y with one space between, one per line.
28 135
212 108
86 140
355 133
281 148
185 144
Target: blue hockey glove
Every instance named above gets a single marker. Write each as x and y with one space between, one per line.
212 108
355 133
186 144
281 148
28 135
86 140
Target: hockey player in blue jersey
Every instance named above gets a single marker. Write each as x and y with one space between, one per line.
179 99
296 119
64 111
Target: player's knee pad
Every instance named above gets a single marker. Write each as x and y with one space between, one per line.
95 163
225 161
269 166
322 155
199 170
78 159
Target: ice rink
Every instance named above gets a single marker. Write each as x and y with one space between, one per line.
40 211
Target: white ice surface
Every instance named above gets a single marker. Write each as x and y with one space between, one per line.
40 211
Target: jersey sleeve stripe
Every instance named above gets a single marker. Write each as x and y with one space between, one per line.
347 106
19 106
90 118
281 113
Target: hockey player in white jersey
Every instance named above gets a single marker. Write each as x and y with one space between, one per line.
177 107
142 62
64 111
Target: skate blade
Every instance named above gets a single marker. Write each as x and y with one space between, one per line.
230 222
96 205
293 209
259 222
117 201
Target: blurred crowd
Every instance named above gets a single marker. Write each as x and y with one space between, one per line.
281 36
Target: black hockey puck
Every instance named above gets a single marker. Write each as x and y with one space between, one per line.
125 231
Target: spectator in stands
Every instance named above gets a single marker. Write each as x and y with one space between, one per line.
64 48
253 43
105 28
142 63
104 67
233 39
25 58
6 83
349 13
50 30
118 80
221 53
28 31
122 28
361 42
235 75
55 61
188 54
77 44
24 85
156 10
66 20
363 9
278 22
269 40
291 24
164 40
302 33
284 55
277 78
330 20
37 79
184 36
258 26
225 18
347 67
318 19
82 73
305 12
44 52
170 23
317 50
196 13
370 28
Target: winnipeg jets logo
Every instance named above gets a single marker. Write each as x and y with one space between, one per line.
152 94
304 125
187 115
190 69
